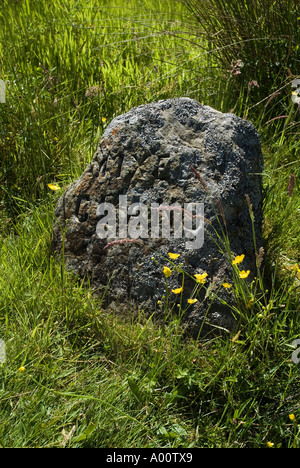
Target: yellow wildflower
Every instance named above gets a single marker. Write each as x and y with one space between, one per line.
192 301
167 272
226 285
244 274
22 369
297 270
292 417
177 291
250 304
200 278
270 444
53 187
173 256
238 259
103 119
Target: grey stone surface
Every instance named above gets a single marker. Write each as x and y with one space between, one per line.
148 154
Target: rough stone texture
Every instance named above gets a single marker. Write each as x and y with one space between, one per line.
147 154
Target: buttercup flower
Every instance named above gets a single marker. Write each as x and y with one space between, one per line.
226 285
200 278
238 259
103 119
292 417
53 187
173 256
192 301
270 444
22 369
244 274
297 270
177 291
167 272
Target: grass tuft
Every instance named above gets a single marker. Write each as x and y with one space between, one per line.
78 375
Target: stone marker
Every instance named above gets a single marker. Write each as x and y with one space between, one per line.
150 164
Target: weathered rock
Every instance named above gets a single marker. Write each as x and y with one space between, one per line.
170 152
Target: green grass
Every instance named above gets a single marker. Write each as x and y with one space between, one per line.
78 375
72 64
121 382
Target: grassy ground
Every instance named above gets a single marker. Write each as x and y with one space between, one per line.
75 374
